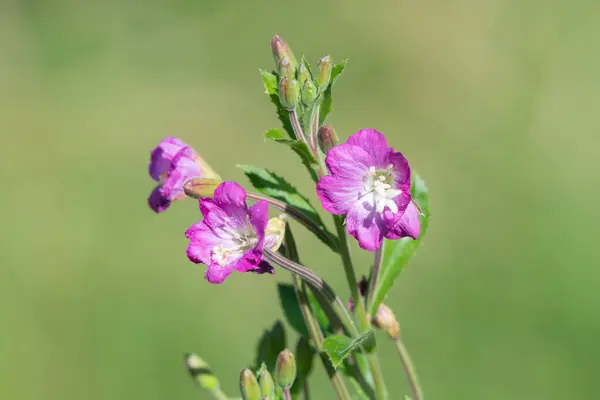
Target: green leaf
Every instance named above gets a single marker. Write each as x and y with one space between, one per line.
298 146
339 347
291 308
271 343
397 253
304 363
327 101
271 82
201 372
277 187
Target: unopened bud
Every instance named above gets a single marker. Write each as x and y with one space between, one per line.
285 68
201 188
309 92
249 386
327 138
303 74
285 369
385 320
267 386
324 72
280 50
201 372
276 228
288 93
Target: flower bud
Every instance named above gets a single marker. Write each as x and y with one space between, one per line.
385 320
276 228
249 386
285 369
267 386
280 50
309 92
201 372
324 72
303 74
285 68
288 93
327 138
204 188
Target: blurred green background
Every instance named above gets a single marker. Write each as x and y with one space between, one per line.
494 102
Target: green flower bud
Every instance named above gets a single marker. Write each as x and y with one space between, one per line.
327 138
267 386
285 68
309 92
197 188
288 93
276 227
280 50
324 72
201 372
249 386
303 74
285 369
385 320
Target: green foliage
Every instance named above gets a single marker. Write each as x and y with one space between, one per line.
201 372
327 100
339 347
271 343
298 146
305 354
291 308
277 187
271 83
397 253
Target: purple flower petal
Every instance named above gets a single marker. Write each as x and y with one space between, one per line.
349 162
202 242
366 225
162 155
217 274
408 225
157 201
374 143
231 198
259 217
338 195
264 268
400 170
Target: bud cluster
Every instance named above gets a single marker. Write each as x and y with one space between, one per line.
262 386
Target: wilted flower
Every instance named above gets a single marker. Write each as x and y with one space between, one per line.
370 183
232 236
172 163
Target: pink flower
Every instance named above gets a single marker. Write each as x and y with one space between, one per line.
370 183
172 163
232 236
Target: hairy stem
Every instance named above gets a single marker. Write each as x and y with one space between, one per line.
298 215
377 258
316 282
363 318
410 371
286 394
317 337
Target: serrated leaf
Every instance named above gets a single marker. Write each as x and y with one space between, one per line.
270 82
397 253
327 101
270 344
298 146
339 347
277 187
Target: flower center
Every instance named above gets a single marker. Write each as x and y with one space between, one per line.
378 184
240 242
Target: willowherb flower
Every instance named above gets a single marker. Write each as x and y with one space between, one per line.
172 163
232 236
370 183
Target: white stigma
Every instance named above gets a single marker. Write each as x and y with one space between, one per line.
382 192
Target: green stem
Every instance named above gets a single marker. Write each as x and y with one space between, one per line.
286 394
363 318
218 394
317 336
298 216
316 282
377 259
409 369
